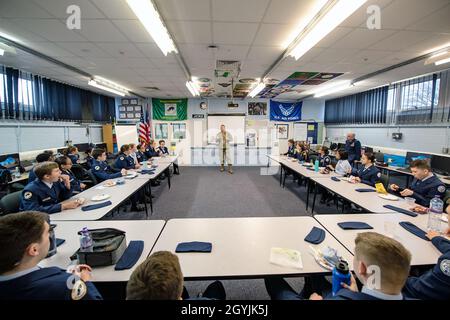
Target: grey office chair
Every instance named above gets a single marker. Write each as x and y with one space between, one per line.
10 203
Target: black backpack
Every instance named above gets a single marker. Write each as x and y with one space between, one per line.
5 176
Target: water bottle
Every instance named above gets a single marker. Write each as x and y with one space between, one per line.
435 214
86 243
341 274
316 166
52 240
17 173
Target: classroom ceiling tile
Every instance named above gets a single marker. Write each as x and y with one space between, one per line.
133 30
114 9
437 22
239 10
101 30
192 10
58 8
234 33
50 29
22 9
120 49
83 49
401 40
361 38
196 32
272 34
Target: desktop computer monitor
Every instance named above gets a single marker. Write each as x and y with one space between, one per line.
10 161
441 165
327 144
368 149
411 156
82 147
379 157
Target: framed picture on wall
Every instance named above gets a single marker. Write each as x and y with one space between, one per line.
122 108
282 131
161 131
257 108
130 109
125 101
137 109
133 101
179 130
130 115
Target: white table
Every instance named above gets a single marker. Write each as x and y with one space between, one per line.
147 231
118 194
423 252
23 176
241 246
367 200
408 174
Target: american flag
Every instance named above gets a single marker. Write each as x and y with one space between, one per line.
144 129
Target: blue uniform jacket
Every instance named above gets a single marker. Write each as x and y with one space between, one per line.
103 171
353 149
151 152
163 150
124 162
324 161
37 196
31 176
435 283
75 184
43 284
291 152
74 157
345 294
425 191
368 176
140 156
89 161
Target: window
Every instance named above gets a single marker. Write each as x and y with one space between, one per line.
161 131
179 130
25 93
420 95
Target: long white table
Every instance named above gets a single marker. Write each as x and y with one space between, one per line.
423 252
146 230
118 194
408 174
241 246
367 200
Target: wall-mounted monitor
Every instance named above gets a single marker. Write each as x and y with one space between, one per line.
10 161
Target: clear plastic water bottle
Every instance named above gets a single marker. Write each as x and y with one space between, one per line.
86 243
17 173
435 214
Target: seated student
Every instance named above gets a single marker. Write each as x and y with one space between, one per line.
368 173
101 169
291 148
65 165
42 157
343 167
133 151
72 153
373 252
164 151
425 185
300 152
25 241
49 191
140 154
324 158
124 161
89 158
435 283
159 277
150 150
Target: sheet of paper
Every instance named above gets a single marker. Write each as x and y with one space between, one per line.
286 258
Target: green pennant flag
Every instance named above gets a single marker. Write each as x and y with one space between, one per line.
169 109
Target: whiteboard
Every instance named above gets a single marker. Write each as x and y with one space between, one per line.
126 134
234 124
300 131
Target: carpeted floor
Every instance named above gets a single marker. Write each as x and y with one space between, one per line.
205 192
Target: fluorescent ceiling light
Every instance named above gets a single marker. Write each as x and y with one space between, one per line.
192 88
332 89
109 86
443 61
2 52
327 23
5 48
257 89
151 20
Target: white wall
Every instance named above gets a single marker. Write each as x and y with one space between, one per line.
421 139
26 137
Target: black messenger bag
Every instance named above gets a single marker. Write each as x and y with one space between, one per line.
108 246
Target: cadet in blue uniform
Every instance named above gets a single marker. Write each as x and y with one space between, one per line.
140 154
389 256
150 150
65 165
42 157
101 169
435 283
291 148
72 153
368 173
425 185
123 160
48 191
324 158
353 148
25 241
